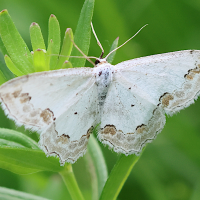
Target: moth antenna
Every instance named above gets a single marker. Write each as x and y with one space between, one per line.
86 57
83 54
126 41
98 42
93 57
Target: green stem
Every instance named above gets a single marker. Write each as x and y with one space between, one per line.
70 181
118 176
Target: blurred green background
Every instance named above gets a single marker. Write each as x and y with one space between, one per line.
170 166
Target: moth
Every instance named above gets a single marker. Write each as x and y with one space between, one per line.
128 101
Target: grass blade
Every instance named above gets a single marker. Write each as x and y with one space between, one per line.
15 45
39 60
114 46
99 162
37 39
12 67
70 181
54 40
5 73
118 176
83 33
20 154
66 48
10 194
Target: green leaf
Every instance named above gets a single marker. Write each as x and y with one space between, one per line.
37 39
5 73
66 65
15 45
90 173
118 176
20 154
66 48
17 137
54 40
15 70
39 60
9 194
83 33
3 48
48 55
2 78
99 163
70 181
114 46
26 161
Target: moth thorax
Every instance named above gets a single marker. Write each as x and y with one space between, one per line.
103 80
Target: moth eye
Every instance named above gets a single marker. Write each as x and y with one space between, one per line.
97 62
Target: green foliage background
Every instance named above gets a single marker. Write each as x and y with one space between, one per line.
169 167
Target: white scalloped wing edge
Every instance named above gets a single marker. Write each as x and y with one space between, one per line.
133 143
17 123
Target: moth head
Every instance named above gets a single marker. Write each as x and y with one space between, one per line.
100 61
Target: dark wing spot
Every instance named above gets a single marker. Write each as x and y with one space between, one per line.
16 93
46 115
191 51
140 129
24 97
165 98
109 129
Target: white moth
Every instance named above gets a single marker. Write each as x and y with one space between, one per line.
129 101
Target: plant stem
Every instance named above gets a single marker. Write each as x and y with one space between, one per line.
70 181
118 176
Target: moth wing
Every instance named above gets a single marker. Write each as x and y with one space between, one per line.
68 136
54 103
144 90
171 79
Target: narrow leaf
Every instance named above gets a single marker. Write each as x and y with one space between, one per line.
90 173
20 154
25 161
118 176
5 73
66 48
83 33
49 56
12 67
114 46
17 137
66 65
37 39
10 194
54 35
70 181
39 60
2 78
2 47
99 162
15 45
